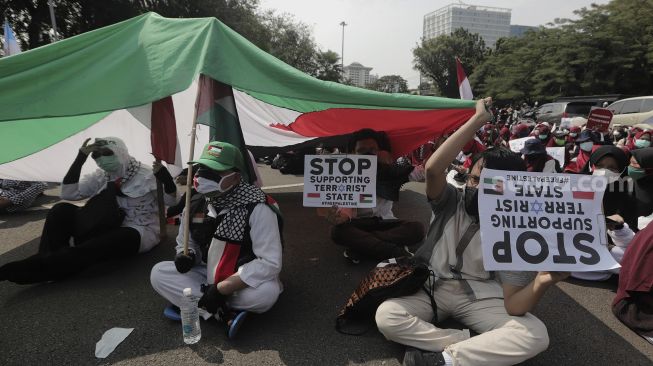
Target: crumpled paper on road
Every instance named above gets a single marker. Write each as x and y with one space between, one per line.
110 340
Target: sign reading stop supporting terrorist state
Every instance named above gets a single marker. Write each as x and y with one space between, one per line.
340 180
542 222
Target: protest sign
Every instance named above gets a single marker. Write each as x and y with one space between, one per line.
566 123
557 153
340 180
599 120
543 222
517 144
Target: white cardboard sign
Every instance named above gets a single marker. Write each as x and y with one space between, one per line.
543 222
340 180
558 153
517 144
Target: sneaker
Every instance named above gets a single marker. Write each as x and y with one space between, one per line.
172 312
416 357
351 256
236 323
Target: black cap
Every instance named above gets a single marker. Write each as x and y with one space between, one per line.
533 147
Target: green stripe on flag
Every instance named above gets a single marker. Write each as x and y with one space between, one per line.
489 180
28 136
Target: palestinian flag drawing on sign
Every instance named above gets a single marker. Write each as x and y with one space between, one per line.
493 186
106 83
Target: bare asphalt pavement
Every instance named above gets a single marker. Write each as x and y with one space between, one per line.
59 323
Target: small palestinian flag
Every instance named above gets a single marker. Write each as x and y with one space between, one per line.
313 195
365 198
493 186
581 195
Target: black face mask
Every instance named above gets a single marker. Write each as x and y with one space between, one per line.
471 201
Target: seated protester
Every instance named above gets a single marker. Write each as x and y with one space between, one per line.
632 305
234 245
641 140
620 235
585 143
17 195
375 232
504 135
574 132
641 172
611 162
135 189
542 132
560 140
537 159
519 131
509 334
470 149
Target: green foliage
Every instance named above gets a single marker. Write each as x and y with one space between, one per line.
390 84
607 50
328 66
436 58
278 34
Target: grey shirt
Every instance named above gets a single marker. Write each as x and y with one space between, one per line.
452 249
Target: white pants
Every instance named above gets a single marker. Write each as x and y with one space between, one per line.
170 284
503 339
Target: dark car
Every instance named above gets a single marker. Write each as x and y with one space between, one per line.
554 112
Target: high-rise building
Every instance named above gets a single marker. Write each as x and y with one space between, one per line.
519 30
490 23
358 74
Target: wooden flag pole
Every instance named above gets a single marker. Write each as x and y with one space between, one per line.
189 174
163 222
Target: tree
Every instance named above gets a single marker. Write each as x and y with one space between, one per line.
291 42
436 58
390 84
607 50
328 66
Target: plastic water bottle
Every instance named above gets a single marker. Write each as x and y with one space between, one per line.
190 318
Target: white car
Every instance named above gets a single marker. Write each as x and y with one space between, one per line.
631 111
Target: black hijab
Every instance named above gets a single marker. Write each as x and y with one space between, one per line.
643 191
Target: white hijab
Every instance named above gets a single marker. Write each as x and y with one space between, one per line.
143 180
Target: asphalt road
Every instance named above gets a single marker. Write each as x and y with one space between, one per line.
59 323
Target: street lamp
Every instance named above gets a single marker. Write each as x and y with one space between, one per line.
51 5
342 52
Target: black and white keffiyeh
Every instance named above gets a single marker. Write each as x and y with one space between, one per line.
233 224
133 168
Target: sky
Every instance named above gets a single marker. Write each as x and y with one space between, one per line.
382 33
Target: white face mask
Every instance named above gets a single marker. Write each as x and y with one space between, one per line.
609 174
587 146
208 186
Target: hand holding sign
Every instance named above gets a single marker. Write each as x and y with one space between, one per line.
340 180
543 222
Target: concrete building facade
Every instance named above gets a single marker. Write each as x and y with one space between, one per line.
489 22
358 74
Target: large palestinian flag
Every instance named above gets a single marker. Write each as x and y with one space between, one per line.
144 79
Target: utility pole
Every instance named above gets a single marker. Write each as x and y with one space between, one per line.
342 52
55 35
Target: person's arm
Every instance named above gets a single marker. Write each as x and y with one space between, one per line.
266 245
435 167
71 187
169 188
520 300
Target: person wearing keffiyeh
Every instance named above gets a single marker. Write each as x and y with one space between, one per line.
18 195
65 250
234 249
